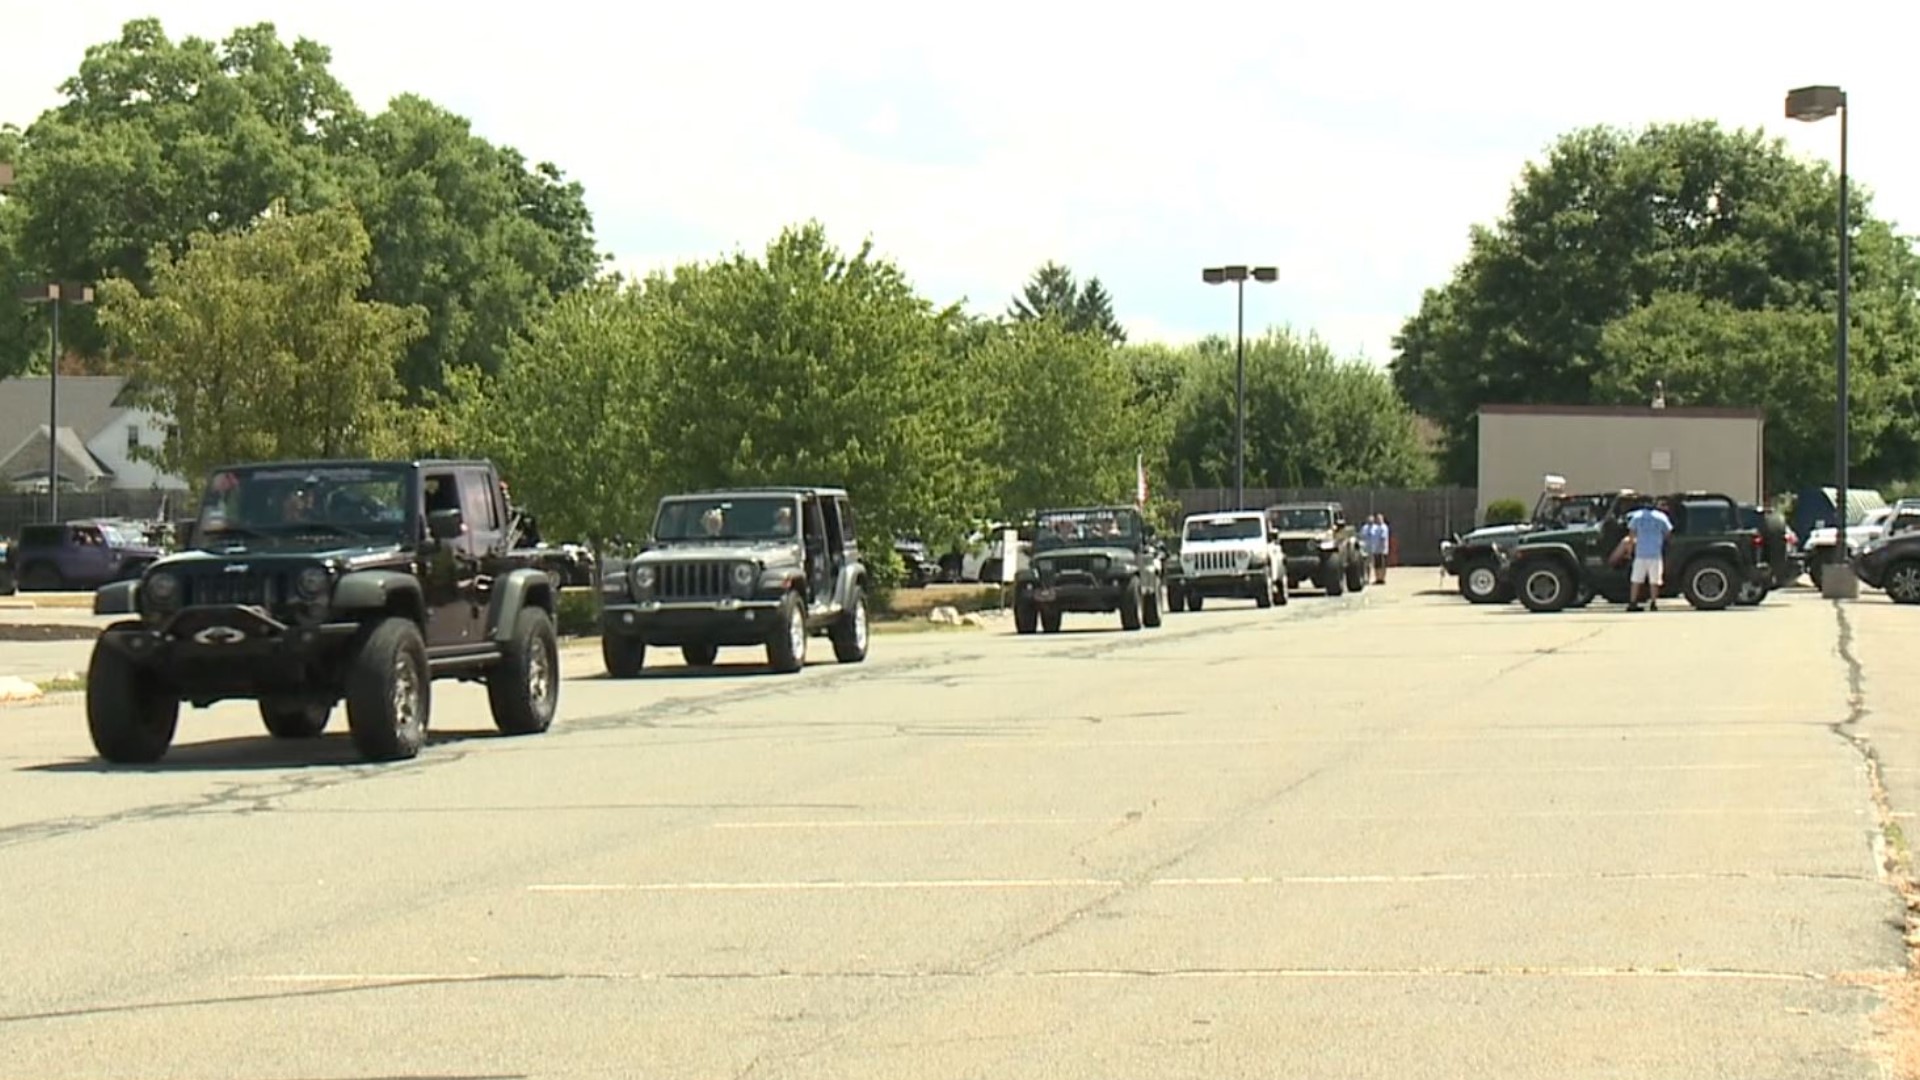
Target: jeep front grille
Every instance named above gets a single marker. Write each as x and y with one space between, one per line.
1299 549
221 588
691 580
1071 564
1216 562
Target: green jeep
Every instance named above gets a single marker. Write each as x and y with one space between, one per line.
1710 557
1094 559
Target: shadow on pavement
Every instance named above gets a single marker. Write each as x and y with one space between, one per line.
249 753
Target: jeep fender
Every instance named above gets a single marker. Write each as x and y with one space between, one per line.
117 598
850 578
1523 558
515 592
779 579
1722 549
380 590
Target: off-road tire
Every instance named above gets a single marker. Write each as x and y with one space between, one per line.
1150 608
1196 601
389 691
524 688
1050 619
1483 588
130 720
1903 582
1357 571
787 646
1333 577
849 635
1130 607
623 655
1709 584
295 719
1282 592
1026 617
699 655
1546 586
1753 592
1261 591
1176 601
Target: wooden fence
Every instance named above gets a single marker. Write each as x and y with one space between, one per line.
1420 518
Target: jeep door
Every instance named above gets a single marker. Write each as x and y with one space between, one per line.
447 566
820 561
489 539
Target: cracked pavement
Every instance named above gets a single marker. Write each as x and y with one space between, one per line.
1385 835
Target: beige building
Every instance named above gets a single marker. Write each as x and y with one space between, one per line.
1600 447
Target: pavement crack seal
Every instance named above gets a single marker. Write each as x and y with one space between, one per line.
1897 1022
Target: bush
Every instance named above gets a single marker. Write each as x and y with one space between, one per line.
1506 512
578 613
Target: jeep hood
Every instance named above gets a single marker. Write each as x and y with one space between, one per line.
725 551
1306 534
1084 549
345 556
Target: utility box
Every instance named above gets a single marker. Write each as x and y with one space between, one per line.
1603 447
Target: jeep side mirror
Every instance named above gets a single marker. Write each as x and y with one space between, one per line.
445 524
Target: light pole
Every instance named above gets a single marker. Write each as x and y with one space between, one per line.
1813 104
1218 275
55 294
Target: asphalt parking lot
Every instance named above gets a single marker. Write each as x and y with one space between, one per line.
1385 835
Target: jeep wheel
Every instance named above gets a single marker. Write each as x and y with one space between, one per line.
1709 585
388 692
1480 581
1282 591
131 721
699 655
1357 570
1050 619
1262 592
1130 607
1815 567
524 689
1150 607
1752 592
787 648
1195 602
1546 587
1903 582
624 656
1333 577
1026 618
1176 600
849 635
295 719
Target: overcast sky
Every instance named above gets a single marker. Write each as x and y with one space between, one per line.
1352 148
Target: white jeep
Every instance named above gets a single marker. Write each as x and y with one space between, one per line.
1232 554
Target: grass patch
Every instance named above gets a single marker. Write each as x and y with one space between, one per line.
904 625
62 684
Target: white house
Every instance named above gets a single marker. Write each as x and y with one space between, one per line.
95 441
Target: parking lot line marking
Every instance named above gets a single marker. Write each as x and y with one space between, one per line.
827 886
1515 876
1665 767
1721 732
951 823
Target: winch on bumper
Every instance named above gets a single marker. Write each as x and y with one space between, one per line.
239 650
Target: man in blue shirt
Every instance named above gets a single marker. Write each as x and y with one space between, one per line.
1650 527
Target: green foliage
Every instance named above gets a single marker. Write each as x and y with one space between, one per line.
1611 223
258 347
1506 512
1053 293
576 613
158 140
1313 420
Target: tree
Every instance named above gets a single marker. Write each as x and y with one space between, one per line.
1312 420
1607 223
812 365
569 417
1065 423
1053 293
257 346
158 140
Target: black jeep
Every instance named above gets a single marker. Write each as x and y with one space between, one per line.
1709 557
1094 559
316 581
1477 557
765 567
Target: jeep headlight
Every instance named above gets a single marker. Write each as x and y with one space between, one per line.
1043 566
312 582
1099 562
743 575
1327 545
642 579
163 588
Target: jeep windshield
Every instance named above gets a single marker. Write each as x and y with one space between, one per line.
1303 519
288 503
1224 529
714 519
1082 528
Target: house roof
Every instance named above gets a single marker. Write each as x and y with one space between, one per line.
27 459
88 403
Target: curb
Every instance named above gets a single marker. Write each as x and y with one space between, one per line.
15 690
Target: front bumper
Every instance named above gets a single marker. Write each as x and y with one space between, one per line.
693 622
1225 585
209 653
1076 593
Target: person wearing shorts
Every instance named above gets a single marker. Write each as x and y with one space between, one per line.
1649 527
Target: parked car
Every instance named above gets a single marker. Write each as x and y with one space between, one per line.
1233 554
1319 546
1098 559
82 554
1710 557
1476 557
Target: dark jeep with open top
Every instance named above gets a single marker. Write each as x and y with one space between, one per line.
766 567
310 582
1091 559
1709 557
1320 546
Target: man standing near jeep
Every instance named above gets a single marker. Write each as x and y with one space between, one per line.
1649 526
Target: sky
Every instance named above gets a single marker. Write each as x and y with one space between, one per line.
1353 148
